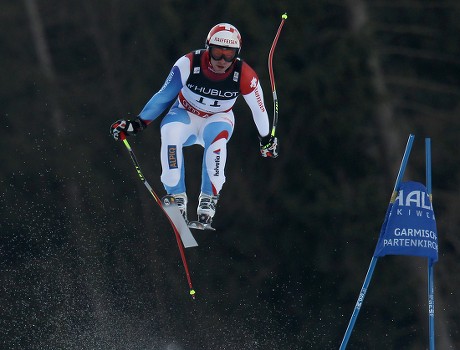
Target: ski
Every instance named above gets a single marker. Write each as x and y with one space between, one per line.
200 226
186 235
171 209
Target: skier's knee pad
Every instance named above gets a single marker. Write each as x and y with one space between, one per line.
171 177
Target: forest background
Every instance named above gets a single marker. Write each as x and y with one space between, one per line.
87 259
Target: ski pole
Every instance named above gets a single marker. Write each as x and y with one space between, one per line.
430 260
158 200
272 75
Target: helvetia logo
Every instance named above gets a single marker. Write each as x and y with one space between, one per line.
217 162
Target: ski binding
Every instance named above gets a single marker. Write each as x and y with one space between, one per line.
171 209
200 226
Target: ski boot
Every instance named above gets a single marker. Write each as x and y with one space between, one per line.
205 211
181 201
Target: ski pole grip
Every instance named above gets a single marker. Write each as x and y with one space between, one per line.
122 136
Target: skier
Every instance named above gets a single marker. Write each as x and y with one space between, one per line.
206 84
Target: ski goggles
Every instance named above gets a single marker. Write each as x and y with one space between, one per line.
217 53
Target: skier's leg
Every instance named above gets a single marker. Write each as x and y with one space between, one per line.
176 131
216 134
215 137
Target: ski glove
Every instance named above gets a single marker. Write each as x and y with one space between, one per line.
269 146
128 127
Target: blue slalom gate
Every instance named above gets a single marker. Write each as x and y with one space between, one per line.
409 228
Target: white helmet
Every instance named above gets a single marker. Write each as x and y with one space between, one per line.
224 34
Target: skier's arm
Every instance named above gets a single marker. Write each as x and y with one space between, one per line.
268 143
168 92
158 103
255 101
254 97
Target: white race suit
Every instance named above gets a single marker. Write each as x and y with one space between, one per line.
202 114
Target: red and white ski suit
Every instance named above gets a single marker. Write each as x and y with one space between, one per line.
202 114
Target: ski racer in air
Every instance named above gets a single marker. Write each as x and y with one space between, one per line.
205 85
